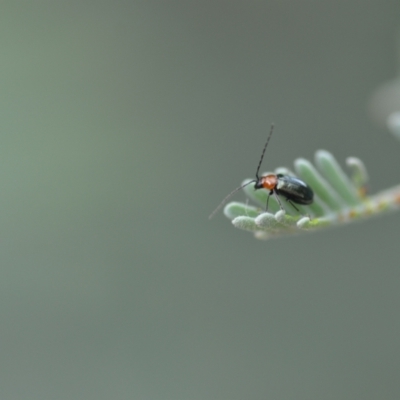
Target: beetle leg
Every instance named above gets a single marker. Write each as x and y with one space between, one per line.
277 199
292 205
266 207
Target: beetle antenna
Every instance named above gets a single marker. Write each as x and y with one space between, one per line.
248 183
228 196
263 152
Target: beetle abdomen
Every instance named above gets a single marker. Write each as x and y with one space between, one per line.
294 189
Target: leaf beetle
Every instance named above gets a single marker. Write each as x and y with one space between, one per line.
293 189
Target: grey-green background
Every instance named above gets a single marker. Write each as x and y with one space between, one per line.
123 124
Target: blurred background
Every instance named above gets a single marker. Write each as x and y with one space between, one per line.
123 125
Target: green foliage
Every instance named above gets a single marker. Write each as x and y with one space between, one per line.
338 198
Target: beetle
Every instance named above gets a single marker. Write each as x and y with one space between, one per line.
293 189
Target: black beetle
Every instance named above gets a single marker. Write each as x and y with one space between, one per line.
291 188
